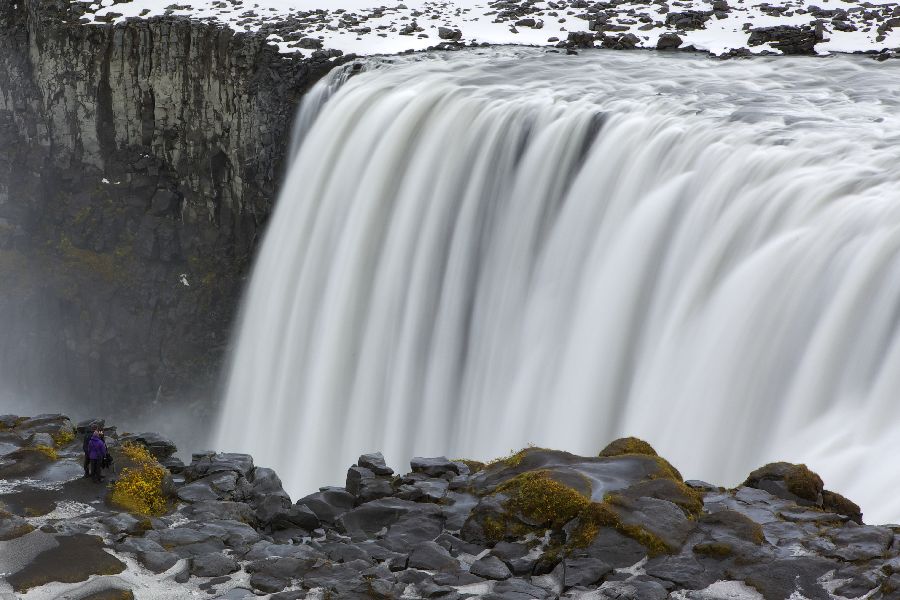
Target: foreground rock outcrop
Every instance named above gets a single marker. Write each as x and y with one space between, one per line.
537 524
138 163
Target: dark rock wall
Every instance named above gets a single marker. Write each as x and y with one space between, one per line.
133 159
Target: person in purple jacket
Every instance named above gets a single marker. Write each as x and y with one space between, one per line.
96 452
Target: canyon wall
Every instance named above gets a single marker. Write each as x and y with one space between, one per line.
138 164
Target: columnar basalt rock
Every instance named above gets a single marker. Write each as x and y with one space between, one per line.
138 165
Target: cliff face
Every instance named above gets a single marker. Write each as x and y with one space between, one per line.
137 166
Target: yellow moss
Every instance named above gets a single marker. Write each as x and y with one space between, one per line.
139 489
628 445
494 529
834 502
474 465
541 500
688 499
713 550
47 451
513 459
63 437
667 470
803 483
601 514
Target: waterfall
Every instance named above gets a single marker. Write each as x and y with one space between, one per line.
477 251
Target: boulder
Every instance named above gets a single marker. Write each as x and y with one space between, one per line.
668 41
448 33
688 19
329 504
365 485
267 583
490 567
789 481
213 565
365 521
157 561
436 467
206 464
430 556
375 463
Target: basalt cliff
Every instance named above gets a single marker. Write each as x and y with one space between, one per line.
139 163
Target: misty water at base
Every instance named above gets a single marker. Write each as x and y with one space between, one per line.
481 250
180 421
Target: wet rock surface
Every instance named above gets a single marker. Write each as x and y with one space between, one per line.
537 524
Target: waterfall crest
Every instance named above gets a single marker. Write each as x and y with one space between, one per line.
479 251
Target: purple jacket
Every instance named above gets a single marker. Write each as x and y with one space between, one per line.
96 449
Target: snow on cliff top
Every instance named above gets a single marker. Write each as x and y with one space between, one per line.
375 27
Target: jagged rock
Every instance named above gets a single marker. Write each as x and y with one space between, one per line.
295 516
222 485
580 39
329 504
448 33
668 41
430 556
160 447
126 523
789 481
213 565
365 521
859 542
490 567
633 590
790 39
688 19
375 463
203 465
366 486
584 572
267 583
436 467
205 510
158 561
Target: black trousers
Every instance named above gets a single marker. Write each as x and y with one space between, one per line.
87 465
95 469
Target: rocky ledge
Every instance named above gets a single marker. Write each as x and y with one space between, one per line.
537 524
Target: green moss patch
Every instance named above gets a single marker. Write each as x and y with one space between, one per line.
474 465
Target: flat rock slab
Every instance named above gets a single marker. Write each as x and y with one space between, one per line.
76 558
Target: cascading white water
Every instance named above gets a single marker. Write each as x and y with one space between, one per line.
481 250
